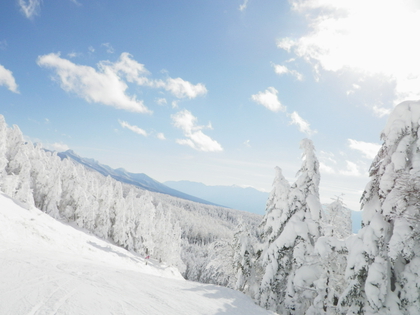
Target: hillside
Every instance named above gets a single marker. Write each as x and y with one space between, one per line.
48 267
140 180
182 233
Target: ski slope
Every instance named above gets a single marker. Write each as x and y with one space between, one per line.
48 267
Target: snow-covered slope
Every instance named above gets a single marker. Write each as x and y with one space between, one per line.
47 267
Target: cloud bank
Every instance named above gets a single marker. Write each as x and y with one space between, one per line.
108 83
103 86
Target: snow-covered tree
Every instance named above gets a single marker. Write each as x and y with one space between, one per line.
162 226
301 233
338 222
291 266
244 261
384 258
276 208
273 281
331 251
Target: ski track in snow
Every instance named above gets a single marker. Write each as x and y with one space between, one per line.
47 267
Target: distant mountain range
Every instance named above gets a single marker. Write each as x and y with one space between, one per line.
236 197
140 180
247 199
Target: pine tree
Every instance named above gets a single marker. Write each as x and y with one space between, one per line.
384 257
331 250
244 260
291 266
338 219
301 232
277 213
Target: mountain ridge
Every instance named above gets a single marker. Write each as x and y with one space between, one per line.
246 199
140 180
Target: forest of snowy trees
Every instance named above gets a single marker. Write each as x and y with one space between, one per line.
178 232
306 261
301 258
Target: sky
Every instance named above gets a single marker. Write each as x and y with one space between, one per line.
213 91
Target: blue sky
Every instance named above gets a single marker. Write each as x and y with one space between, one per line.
212 91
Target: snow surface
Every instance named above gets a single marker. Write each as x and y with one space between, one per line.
48 267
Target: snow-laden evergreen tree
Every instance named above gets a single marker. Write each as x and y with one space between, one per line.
384 258
273 283
301 233
291 265
167 245
338 219
245 260
220 268
276 208
332 255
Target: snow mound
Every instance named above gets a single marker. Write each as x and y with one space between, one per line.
47 267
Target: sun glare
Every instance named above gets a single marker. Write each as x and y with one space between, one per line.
371 37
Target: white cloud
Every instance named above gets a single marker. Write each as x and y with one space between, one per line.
30 8
133 71
351 169
174 104
109 48
243 6
355 87
286 44
326 169
108 83
161 101
303 125
368 149
133 128
269 99
380 111
136 72
98 86
327 156
73 54
161 136
196 139
280 69
247 144
7 79
343 35
91 49
76 2
181 88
